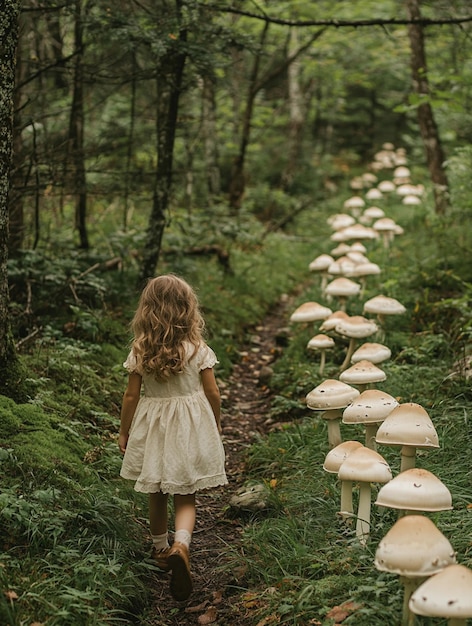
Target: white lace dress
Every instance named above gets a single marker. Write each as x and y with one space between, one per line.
174 445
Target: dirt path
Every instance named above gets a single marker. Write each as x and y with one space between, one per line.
216 598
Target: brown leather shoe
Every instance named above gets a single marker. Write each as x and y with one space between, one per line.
160 558
181 581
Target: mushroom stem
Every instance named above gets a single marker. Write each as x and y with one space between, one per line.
410 585
333 418
408 458
346 508
322 361
363 512
370 432
324 281
457 621
349 353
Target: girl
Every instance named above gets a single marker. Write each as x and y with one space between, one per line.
170 437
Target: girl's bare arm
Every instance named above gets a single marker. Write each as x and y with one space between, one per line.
130 402
212 393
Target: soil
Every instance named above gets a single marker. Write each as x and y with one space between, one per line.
218 595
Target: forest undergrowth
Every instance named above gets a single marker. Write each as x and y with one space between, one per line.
73 535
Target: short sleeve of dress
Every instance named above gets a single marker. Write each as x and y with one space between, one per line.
206 358
130 364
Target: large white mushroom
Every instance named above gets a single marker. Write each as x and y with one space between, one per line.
415 549
410 427
363 374
415 489
354 327
382 306
364 466
342 289
331 397
374 352
446 594
370 409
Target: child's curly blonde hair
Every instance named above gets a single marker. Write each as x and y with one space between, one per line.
168 315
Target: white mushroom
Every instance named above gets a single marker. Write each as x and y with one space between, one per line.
415 489
342 289
373 352
370 408
364 466
333 461
321 343
383 305
310 312
362 374
331 397
446 594
410 427
354 327
413 548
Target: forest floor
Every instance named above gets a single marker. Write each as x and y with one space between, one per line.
219 595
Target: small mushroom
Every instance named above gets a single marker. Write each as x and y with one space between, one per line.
364 466
415 549
362 374
374 352
320 266
410 427
446 594
333 461
321 343
354 327
370 408
342 289
331 397
382 306
310 312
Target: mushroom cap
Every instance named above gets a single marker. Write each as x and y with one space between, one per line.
331 394
365 269
310 312
357 257
373 213
414 548
358 247
343 265
415 490
356 326
320 342
322 262
384 225
385 186
373 352
369 177
371 407
365 465
356 231
374 194
362 373
408 425
383 305
331 321
340 250
340 221
446 594
411 199
401 172
336 457
342 287
354 202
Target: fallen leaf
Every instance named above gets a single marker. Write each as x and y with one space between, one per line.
11 595
208 617
339 613
217 597
196 609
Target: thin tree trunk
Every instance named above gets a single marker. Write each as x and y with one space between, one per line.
427 124
210 136
76 133
169 86
10 369
296 112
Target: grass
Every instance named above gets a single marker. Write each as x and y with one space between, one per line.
72 540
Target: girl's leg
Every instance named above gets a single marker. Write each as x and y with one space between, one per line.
158 527
184 518
178 559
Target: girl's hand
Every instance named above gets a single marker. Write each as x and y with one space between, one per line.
122 442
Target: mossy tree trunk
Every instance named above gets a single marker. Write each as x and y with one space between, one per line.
10 370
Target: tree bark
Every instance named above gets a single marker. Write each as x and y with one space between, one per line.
210 136
169 85
427 124
76 132
10 369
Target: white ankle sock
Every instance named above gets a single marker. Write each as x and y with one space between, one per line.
160 542
183 536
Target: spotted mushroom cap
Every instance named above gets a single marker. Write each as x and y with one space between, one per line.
363 373
414 548
371 407
446 594
408 425
331 394
373 352
356 326
415 489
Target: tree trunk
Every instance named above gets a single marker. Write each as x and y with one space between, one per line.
76 133
10 368
297 117
210 136
428 128
169 85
